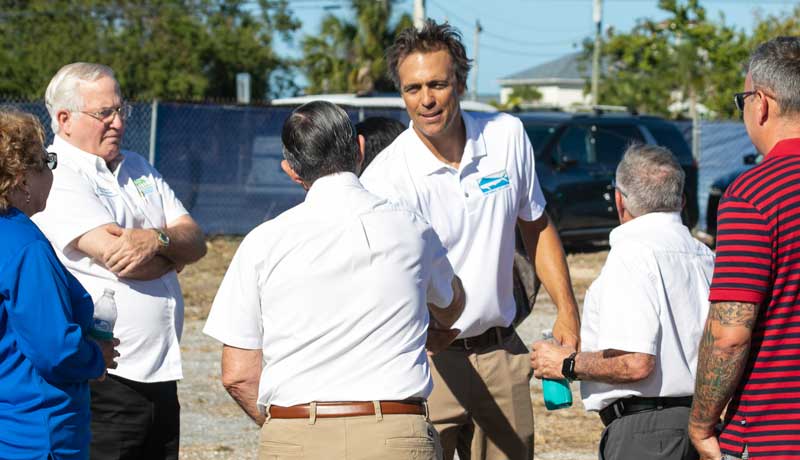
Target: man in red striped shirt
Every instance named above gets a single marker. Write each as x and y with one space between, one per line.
750 351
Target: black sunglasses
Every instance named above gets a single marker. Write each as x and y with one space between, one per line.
51 160
738 99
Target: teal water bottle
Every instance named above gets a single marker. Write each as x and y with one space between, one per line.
557 394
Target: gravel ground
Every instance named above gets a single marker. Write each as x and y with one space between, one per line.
213 426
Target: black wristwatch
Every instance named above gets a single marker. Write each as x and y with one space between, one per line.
568 367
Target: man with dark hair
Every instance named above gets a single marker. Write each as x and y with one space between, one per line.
642 318
750 355
472 176
324 310
378 133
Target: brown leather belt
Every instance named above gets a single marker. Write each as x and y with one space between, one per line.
490 337
348 409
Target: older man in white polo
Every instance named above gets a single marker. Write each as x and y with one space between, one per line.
117 224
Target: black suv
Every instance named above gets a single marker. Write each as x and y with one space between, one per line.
576 159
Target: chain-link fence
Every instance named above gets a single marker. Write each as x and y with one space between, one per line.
723 145
223 161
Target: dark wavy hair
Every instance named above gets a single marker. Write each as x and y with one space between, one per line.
432 37
319 140
21 150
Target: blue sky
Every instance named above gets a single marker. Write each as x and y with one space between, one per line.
518 34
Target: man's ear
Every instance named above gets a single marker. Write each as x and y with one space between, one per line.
64 118
290 172
763 108
362 143
620 205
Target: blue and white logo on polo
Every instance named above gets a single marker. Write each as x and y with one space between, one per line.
494 182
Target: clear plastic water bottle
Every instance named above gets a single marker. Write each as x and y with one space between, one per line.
105 316
557 394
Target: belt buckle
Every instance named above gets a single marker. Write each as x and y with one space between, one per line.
466 341
619 409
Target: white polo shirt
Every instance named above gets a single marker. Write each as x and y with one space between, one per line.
651 297
334 291
473 209
86 195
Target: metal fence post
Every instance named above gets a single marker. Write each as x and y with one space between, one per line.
153 127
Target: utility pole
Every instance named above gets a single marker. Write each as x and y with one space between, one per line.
598 24
419 13
478 30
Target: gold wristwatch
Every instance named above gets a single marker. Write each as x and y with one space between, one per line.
163 238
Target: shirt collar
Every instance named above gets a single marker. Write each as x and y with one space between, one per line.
424 163
327 185
69 153
785 147
650 222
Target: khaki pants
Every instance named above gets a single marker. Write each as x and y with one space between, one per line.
484 393
390 437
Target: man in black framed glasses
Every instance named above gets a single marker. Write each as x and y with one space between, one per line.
748 358
116 224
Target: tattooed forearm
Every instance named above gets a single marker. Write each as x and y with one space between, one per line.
722 358
613 366
733 314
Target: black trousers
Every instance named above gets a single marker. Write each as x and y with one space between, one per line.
654 435
134 420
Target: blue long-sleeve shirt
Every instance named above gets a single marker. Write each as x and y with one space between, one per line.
46 359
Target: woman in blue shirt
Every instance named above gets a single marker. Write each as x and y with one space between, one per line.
46 357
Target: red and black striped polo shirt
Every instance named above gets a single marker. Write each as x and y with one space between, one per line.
758 261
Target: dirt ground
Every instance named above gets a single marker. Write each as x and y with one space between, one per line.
213 426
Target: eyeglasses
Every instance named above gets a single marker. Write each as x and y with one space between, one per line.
738 99
51 160
107 115
616 186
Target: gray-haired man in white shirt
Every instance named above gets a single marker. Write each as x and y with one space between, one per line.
642 318
324 310
117 224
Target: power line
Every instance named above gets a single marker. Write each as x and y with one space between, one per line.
527 43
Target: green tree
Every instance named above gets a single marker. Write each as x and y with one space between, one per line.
771 26
686 55
522 95
170 49
349 56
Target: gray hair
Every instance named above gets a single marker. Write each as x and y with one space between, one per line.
650 179
63 92
775 66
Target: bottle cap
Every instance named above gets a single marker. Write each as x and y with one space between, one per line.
108 291
547 334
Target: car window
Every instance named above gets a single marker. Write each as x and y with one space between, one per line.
539 135
610 142
575 145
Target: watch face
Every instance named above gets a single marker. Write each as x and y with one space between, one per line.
163 239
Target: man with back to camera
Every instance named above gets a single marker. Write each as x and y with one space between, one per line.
323 311
472 177
749 355
642 318
115 223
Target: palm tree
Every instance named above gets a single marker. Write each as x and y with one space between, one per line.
349 56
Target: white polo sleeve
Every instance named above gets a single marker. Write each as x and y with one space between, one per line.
629 309
73 208
531 202
440 288
235 316
173 208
